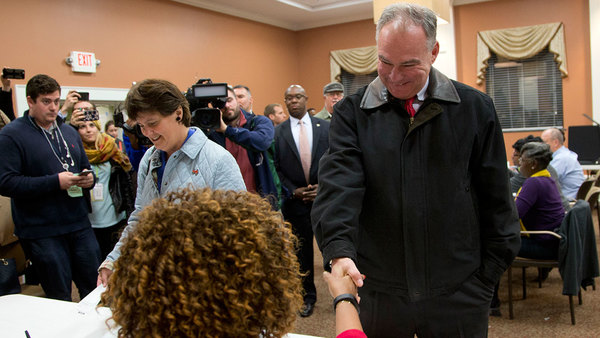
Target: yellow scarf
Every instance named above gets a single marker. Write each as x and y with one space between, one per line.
105 149
541 173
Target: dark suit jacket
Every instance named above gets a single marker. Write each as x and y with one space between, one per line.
289 166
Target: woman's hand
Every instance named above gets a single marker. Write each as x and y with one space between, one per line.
103 276
77 118
340 285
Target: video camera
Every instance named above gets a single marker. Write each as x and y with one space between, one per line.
199 96
135 130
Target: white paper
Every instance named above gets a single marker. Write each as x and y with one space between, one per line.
90 301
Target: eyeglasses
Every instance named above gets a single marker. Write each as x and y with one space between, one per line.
521 160
297 97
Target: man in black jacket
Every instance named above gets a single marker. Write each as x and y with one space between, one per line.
413 191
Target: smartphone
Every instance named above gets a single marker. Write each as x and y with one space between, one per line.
85 96
12 73
91 115
85 172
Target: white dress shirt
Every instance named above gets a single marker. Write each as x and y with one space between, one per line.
296 130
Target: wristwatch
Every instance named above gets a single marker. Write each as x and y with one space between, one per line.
348 297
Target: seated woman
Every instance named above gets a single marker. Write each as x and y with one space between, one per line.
113 195
539 206
182 156
538 202
517 178
203 263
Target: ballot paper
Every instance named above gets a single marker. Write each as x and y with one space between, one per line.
90 301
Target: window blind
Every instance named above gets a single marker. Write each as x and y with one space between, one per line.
527 93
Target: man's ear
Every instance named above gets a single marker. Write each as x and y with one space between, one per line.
435 51
30 101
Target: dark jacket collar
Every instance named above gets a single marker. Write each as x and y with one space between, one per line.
440 88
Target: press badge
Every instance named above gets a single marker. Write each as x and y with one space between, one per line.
97 192
75 191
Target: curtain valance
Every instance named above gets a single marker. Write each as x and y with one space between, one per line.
521 43
358 61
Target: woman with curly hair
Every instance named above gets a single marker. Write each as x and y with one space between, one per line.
203 263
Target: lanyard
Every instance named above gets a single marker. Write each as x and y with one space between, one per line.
64 163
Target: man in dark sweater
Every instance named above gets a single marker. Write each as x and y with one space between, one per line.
41 171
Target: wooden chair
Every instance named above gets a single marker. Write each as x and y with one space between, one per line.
592 199
574 277
585 188
597 178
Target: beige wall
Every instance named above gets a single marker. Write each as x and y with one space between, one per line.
574 14
137 39
315 45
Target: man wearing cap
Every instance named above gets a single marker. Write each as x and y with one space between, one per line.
332 93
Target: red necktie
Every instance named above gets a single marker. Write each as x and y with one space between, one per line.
408 105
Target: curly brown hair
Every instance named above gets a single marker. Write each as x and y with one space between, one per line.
206 263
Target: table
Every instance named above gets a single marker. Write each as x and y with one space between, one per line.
43 317
50 318
590 166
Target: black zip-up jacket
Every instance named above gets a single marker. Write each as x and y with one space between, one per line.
120 188
419 207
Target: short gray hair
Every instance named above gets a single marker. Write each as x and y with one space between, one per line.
404 13
538 151
243 87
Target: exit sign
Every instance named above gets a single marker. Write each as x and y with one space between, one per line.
83 62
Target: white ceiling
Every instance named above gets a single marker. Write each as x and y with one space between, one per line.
296 14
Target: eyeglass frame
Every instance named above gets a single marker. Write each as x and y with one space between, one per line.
298 97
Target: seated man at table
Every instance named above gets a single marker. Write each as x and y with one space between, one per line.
206 263
570 173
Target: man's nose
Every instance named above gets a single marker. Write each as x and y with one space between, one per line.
54 106
396 74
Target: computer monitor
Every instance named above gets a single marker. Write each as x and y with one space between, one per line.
585 141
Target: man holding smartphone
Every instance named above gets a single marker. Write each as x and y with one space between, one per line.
43 171
6 104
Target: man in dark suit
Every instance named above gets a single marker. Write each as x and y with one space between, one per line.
299 143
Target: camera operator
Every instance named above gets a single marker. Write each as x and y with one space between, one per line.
248 138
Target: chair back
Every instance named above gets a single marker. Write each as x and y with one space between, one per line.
577 254
592 199
584 188
597 181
